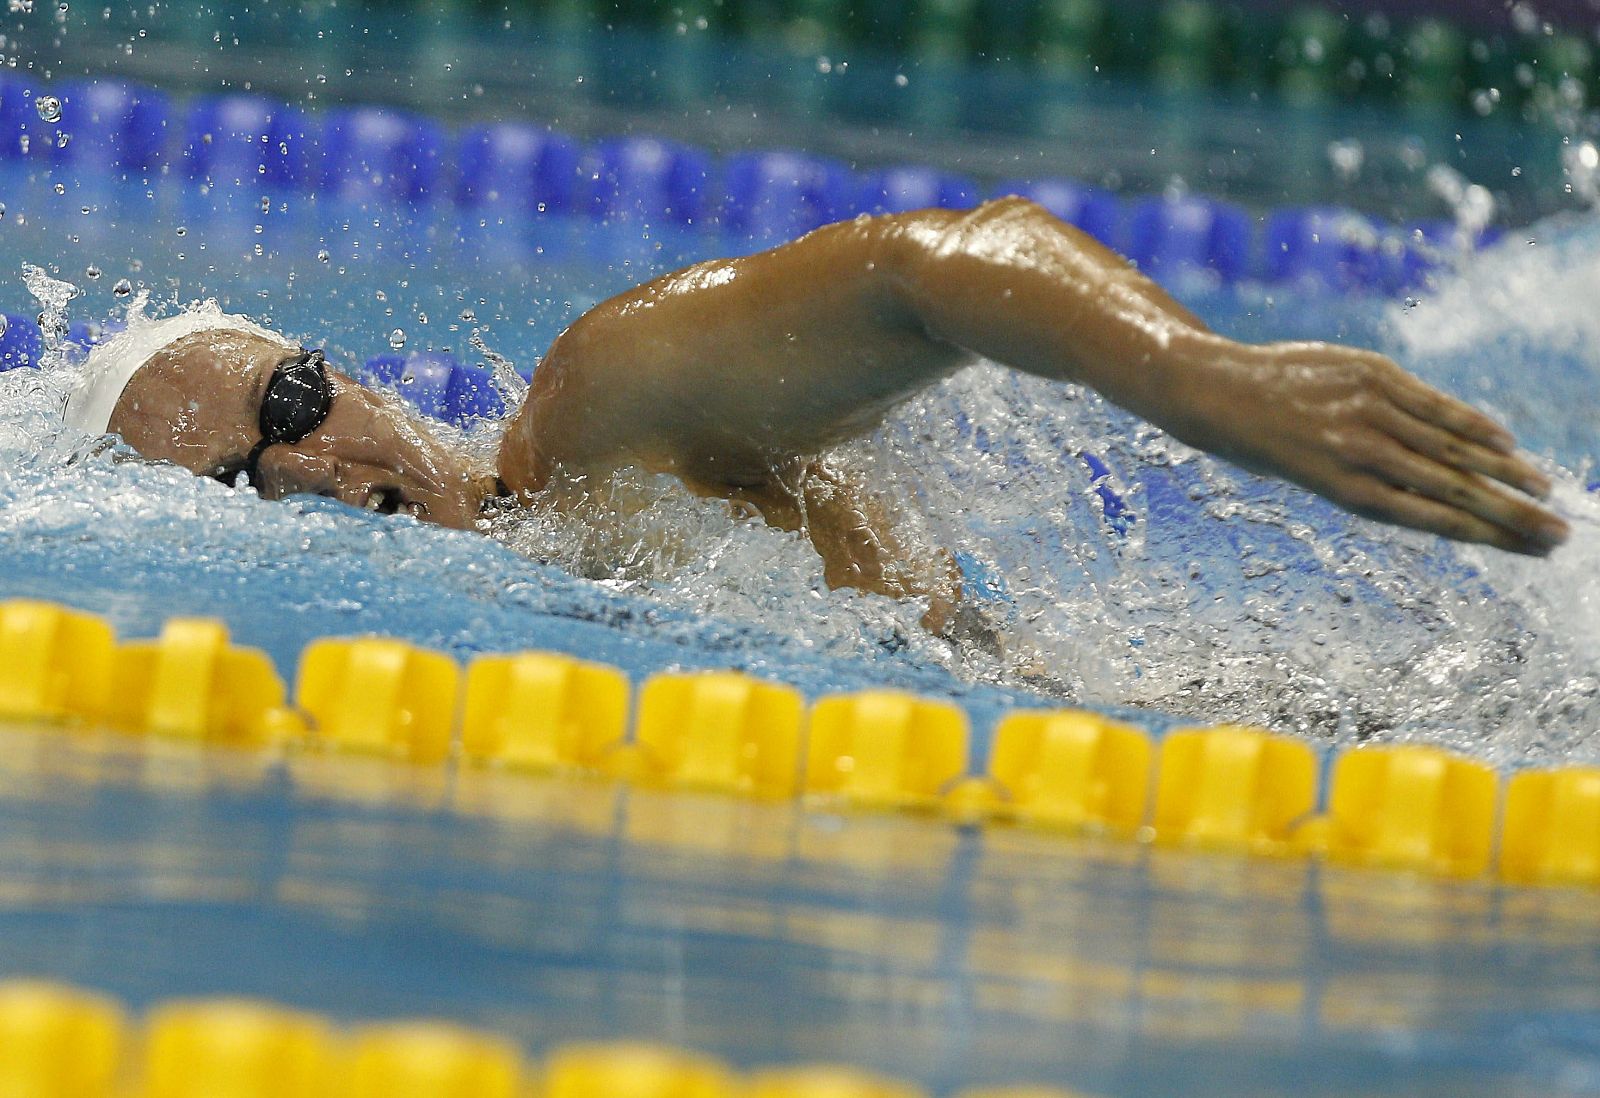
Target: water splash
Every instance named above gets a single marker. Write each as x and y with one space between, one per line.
1581 163
1472 205
508 384
1517 331
53 296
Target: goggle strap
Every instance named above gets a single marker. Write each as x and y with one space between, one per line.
251 469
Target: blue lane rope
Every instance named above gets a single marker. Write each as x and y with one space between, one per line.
373 153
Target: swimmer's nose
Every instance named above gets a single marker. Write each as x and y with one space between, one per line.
290 471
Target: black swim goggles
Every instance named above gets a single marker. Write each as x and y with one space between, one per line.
296 402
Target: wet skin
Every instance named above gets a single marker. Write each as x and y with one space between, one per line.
736 375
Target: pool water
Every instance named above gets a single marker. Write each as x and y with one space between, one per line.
1123 571
990 121
562 910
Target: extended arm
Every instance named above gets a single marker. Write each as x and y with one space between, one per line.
733 374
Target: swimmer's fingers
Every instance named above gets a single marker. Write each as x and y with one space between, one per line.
1373 498
1431 406
1457 452
1467 492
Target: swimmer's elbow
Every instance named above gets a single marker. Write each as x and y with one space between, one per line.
927 254
917 244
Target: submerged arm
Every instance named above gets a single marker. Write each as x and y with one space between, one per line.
734 372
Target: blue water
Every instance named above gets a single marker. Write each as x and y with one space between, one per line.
989 121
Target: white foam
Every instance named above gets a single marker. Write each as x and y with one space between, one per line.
1538 282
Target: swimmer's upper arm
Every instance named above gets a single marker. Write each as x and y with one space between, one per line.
724 369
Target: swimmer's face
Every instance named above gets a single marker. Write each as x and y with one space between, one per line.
197 403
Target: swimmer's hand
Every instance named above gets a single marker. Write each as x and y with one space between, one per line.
1355 428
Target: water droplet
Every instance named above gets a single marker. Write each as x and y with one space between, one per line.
323 256
49 108
60 188
2 211
62 139
397 339
468 316
1347 158
3 323
52 327
91 271
181 231
123 288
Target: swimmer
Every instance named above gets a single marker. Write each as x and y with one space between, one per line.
738 376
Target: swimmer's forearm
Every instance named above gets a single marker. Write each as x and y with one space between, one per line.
1011 283
731 372
1014 284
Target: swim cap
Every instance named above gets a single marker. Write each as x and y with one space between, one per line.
112 364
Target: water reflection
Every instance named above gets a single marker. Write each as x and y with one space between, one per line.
557 909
